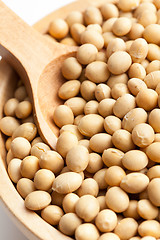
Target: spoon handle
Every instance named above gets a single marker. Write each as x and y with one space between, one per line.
25 48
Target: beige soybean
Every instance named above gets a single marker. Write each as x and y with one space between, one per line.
102 202
153 52
51 160
143 135
95 163
63 115
92 15
8 125
111 124
95 27
147 18
154 172
91 107
126 228
93 37
58 28
76 30
119 90
77 120
133 118
52 214
85 143
101 56
14 169
25 186
37 200
101 141
29 166
144 6
72 129
10 106
147 99
153 191
86 53
43 179
147 210
136 31
114 79
108 236
114 45
76 104
102 91
149 228
87 231
135 85
158 88
91 124
138 50
157 137
23 109
152 79
137 71
97 72
99 177
148 238
108 36
154 119
67 182
152 152
112 157
120 108
114 175
65 142
69 202
135 160
112 196
68 223
106 220
8 143
88 186
39 148
69 89
152 33
109 10
74 17
88 90
71 69
20 93
115 66
20 147
107 25
87 213
122 139
105 107
131 211
25 130
145 62
69 41
126 6
77 158
153 66
122 26
135 182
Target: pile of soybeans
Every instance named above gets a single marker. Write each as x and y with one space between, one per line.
102 182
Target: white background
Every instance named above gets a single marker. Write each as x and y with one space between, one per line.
30 11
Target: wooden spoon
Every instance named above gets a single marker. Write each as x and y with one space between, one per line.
38 62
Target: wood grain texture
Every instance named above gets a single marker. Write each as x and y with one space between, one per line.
33 226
